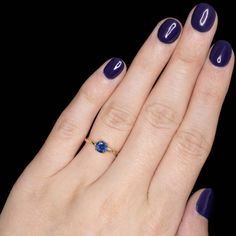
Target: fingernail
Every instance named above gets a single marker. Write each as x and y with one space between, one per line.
205 203
113 68
221 53
203 17
169 31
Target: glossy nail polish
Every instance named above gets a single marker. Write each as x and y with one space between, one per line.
203 17
169 31
220 53
205 203
113 68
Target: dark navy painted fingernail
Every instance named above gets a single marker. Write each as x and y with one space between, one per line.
221 53
169 31
203 17
205 203
113 68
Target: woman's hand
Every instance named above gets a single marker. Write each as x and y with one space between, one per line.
162 132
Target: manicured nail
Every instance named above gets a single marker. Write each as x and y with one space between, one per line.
169 31
221 53
203 17
113 68
205 203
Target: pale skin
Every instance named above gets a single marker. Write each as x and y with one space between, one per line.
163 134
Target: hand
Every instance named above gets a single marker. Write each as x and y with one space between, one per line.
163 134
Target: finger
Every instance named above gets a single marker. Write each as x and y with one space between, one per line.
192 142
118 115
74 123
196 215
166 106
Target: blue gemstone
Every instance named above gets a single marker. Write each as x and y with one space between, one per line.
101 146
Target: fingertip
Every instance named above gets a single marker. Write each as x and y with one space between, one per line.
197 213
169 30
221 53
113 68
204 203
203 17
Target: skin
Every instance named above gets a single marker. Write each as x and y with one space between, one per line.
164 134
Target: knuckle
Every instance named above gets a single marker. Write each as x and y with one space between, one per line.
27 188
89 93
192 143
117 117
210 95
160 116
188 57
67 127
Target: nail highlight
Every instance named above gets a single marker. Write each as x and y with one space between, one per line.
113 68
169 31
203 17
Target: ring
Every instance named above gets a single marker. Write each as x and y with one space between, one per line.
101 146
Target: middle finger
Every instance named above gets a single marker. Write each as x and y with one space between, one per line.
165 107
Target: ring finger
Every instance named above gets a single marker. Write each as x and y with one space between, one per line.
118 115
